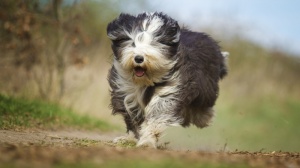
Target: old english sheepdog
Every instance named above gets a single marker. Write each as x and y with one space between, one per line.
162 75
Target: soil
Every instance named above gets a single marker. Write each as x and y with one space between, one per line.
44 148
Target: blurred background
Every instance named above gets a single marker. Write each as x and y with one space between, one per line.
57 51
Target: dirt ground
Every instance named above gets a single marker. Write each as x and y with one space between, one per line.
36 148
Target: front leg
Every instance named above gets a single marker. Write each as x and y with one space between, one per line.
159 114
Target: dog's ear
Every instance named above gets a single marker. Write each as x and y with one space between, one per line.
170 31
116 29
173 32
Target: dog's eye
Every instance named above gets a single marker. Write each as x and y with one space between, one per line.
172 31
133 44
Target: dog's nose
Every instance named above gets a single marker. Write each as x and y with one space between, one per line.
139 59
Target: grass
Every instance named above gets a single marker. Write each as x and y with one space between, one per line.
264 124
21 113
258 107
122 143
260 99
162 163
267 123
86 142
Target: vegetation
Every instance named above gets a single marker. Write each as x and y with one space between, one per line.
43 39
161 164
258 105
21 113
261 99
59 53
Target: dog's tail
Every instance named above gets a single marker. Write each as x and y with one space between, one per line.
223 67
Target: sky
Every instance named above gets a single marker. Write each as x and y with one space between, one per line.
271 23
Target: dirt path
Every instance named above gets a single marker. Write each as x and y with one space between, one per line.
65 137
36 148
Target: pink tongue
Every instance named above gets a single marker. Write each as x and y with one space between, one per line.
139 72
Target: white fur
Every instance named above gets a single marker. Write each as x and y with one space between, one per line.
225 54
128 137
155 74
111 36
133 94
151 54
152 129
154 24
156 116
159 112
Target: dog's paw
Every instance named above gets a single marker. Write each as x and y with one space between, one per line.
147 142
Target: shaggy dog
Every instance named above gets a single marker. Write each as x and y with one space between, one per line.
162 75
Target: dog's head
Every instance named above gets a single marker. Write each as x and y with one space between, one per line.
144 46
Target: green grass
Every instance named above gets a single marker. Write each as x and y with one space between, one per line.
21 113
162 163
260 102
265 124
258 107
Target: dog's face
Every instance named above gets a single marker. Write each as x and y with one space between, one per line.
144 46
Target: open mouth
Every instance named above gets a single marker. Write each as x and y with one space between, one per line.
139 71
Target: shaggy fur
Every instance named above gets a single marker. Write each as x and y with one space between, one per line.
162 74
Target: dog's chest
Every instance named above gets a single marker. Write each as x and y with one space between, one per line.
138 97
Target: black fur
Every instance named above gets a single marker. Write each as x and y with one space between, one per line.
199 61
117 105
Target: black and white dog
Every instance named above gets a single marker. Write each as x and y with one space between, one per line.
162 75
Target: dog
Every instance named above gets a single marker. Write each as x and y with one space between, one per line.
162 75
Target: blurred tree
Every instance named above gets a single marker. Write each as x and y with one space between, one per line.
46 37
